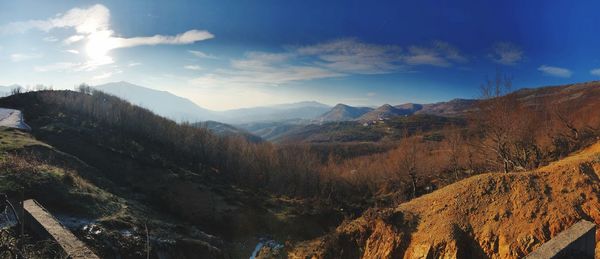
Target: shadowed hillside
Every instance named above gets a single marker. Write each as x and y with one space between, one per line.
226 130
114 166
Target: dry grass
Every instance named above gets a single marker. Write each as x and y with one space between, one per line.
491 215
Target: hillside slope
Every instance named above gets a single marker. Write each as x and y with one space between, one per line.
455 107
95 208
307 110
491 215
272 130
226 130
393 128
342 112
161 102
115 168
383 112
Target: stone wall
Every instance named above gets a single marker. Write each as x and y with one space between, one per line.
578 241
38 220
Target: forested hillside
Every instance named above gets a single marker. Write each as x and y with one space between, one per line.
139 168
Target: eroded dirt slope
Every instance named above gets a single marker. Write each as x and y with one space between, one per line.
491 215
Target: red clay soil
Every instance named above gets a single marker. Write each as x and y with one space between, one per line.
492 215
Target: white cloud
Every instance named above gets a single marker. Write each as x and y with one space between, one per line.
200 54
85 21
450 52
440 54
555 71
18 57
506 53
72 51
93 25
335 58
72 39
353 56
179 39
193 67
134 64
595 71
262 69
262 76
425 56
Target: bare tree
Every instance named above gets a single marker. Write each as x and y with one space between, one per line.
84 88
408 162
16 90
455 143
495 118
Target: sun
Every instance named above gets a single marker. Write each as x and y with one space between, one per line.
99 45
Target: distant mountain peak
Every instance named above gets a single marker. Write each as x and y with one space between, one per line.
161 102
300 104
309 102
343 112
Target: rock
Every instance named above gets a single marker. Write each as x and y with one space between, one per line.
462 221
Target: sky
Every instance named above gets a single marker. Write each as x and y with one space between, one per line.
227 54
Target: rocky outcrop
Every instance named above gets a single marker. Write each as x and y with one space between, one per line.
491 215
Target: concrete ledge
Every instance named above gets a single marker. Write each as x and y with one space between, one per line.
578 241
40 221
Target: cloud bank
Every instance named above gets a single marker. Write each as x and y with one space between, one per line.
336 58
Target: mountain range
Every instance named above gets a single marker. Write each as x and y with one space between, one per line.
307 110
275 122
161 102
181 109
344 124
452 108
268 122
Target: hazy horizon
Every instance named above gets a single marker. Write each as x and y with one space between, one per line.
375 105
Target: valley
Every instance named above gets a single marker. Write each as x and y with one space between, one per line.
108 175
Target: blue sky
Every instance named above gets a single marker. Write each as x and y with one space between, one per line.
231 54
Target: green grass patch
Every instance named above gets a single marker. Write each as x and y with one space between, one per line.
12 139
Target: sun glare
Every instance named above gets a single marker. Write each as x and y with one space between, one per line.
99 45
